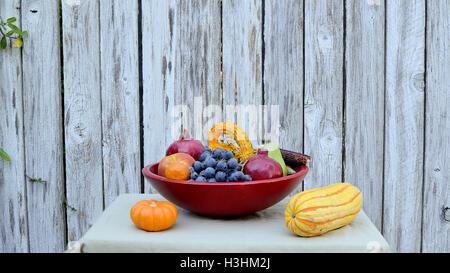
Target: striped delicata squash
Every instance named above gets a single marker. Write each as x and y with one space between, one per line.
317 211
233 132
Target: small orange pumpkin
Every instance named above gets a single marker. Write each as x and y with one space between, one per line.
152 215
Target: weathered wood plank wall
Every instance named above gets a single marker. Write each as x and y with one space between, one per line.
157 66
119 79
404 108
43 125
283 68
324 91
364 102
13 206
436 190
242 62
361 86
180 62
82 116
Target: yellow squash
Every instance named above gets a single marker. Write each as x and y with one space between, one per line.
233 131
316 211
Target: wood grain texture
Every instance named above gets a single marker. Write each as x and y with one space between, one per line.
181 63
82 118
435 222
283 69
197 61
120 98
364 116
347 63
13 226
405 41
43 125
157 33
323 113
242 65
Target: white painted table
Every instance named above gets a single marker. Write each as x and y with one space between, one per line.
263 231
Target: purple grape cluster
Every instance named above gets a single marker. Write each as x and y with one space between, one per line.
217 166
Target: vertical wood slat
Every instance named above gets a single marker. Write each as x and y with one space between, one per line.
157 36
364 67
43 125
242 61
403 178
323 102
84 183
435 222
13 224
197 61
283 68
181 61
120 98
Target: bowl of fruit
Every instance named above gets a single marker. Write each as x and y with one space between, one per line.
220 180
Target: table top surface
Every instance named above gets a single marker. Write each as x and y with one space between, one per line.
263 231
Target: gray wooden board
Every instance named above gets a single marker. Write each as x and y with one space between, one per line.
82 117
197 62
120 97
181 66
156 15
13 226
436 203
283 70
403 166
43 125
242 66
323 102
364 103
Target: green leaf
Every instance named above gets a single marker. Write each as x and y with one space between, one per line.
3 44
9 33
15 28
25 33
37 180
68 206
4 155
11 20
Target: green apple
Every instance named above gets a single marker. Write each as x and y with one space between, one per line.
275 154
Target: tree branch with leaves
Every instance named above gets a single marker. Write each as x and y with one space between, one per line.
9 31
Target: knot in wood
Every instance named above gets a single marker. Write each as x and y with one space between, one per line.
446 213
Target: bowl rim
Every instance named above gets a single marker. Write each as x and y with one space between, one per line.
301 170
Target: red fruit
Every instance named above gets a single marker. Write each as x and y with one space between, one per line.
186 145
261 166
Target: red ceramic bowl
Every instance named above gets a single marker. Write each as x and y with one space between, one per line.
224 198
